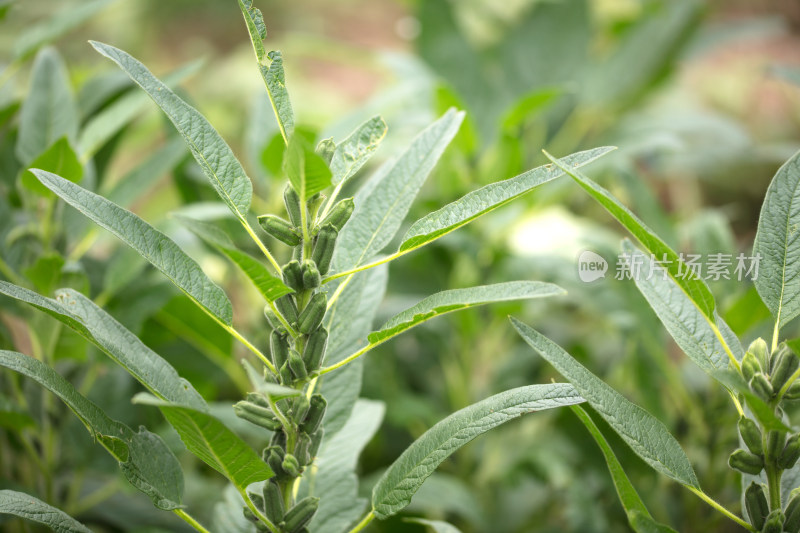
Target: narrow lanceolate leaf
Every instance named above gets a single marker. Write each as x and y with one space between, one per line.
212 442
153 245
270 287
49 112
644 433
476 203
271 67
136 182
778 244
353 152
404 477
144 458
334 479
686 279
130 106
689 327
627 493
457 299
382 204
209 149
82 315
24 506
306 170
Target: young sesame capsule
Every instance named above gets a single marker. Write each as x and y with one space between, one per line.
755 501
340 214
746 462
314 352
310 276
324 247
300 515
280 229
292 275
292 202
297 365
311 317
287 307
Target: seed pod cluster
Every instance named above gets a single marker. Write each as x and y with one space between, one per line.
298 342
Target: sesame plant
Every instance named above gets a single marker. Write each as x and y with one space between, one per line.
321 277
761 381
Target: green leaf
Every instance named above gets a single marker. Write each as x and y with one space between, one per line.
58 24
82 315
209 149
144 458
694 286
270 287
534 102
457 299
628 496
353 152
778 245
643 523
645 434
437 526
101 127
211 441
45 273
349 320
479 202
382 204
334 479
271 67
24 506
49 112
692 330
307 171
153 245
60 159
228 515
398 484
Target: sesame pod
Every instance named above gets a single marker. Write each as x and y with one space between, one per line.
785 365
297 253
292 275
303 449
776 440
310 275
297 365
278 439
325 149
316 411
257 415
762 387
790 453
314 352
290 465
313 204
316 442
300 515
792 513
746 462
257 398
760 351
273 502
248 514
323 249
275 461
280 229
287 307
292 201
340 214
774 523
750 366
755 501
257 499
272 318
311 317
751 435
286 373
279 346
793 392
300 408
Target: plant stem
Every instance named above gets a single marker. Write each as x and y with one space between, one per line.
775 333
186 517
348 359
258 513
364 522
710 501
774 486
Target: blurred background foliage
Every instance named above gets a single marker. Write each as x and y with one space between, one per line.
701 97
